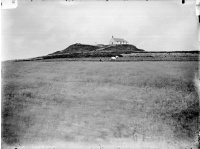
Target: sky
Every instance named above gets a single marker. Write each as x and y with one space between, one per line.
41 27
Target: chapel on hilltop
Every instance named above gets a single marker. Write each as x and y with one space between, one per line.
117 41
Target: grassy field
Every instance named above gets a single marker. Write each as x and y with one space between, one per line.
99 104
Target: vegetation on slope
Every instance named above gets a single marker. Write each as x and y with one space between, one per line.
82 50
76 48
127 48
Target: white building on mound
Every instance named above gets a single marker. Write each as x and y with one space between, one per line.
117 41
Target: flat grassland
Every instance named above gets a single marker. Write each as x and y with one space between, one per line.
98 103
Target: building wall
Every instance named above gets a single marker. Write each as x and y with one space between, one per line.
112 41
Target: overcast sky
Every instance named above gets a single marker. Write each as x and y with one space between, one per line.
38 28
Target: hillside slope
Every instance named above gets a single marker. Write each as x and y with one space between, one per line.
123 49
76 48
82 48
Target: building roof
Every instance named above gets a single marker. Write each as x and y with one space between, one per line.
120 40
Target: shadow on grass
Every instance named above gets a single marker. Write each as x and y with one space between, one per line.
184 122
14 119
187 121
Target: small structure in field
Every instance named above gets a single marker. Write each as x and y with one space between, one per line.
114 41
114 58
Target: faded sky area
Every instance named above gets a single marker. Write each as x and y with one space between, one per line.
41 27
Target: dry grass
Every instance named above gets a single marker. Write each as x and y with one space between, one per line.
99 102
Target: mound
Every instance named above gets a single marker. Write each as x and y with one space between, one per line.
82 50
76 48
